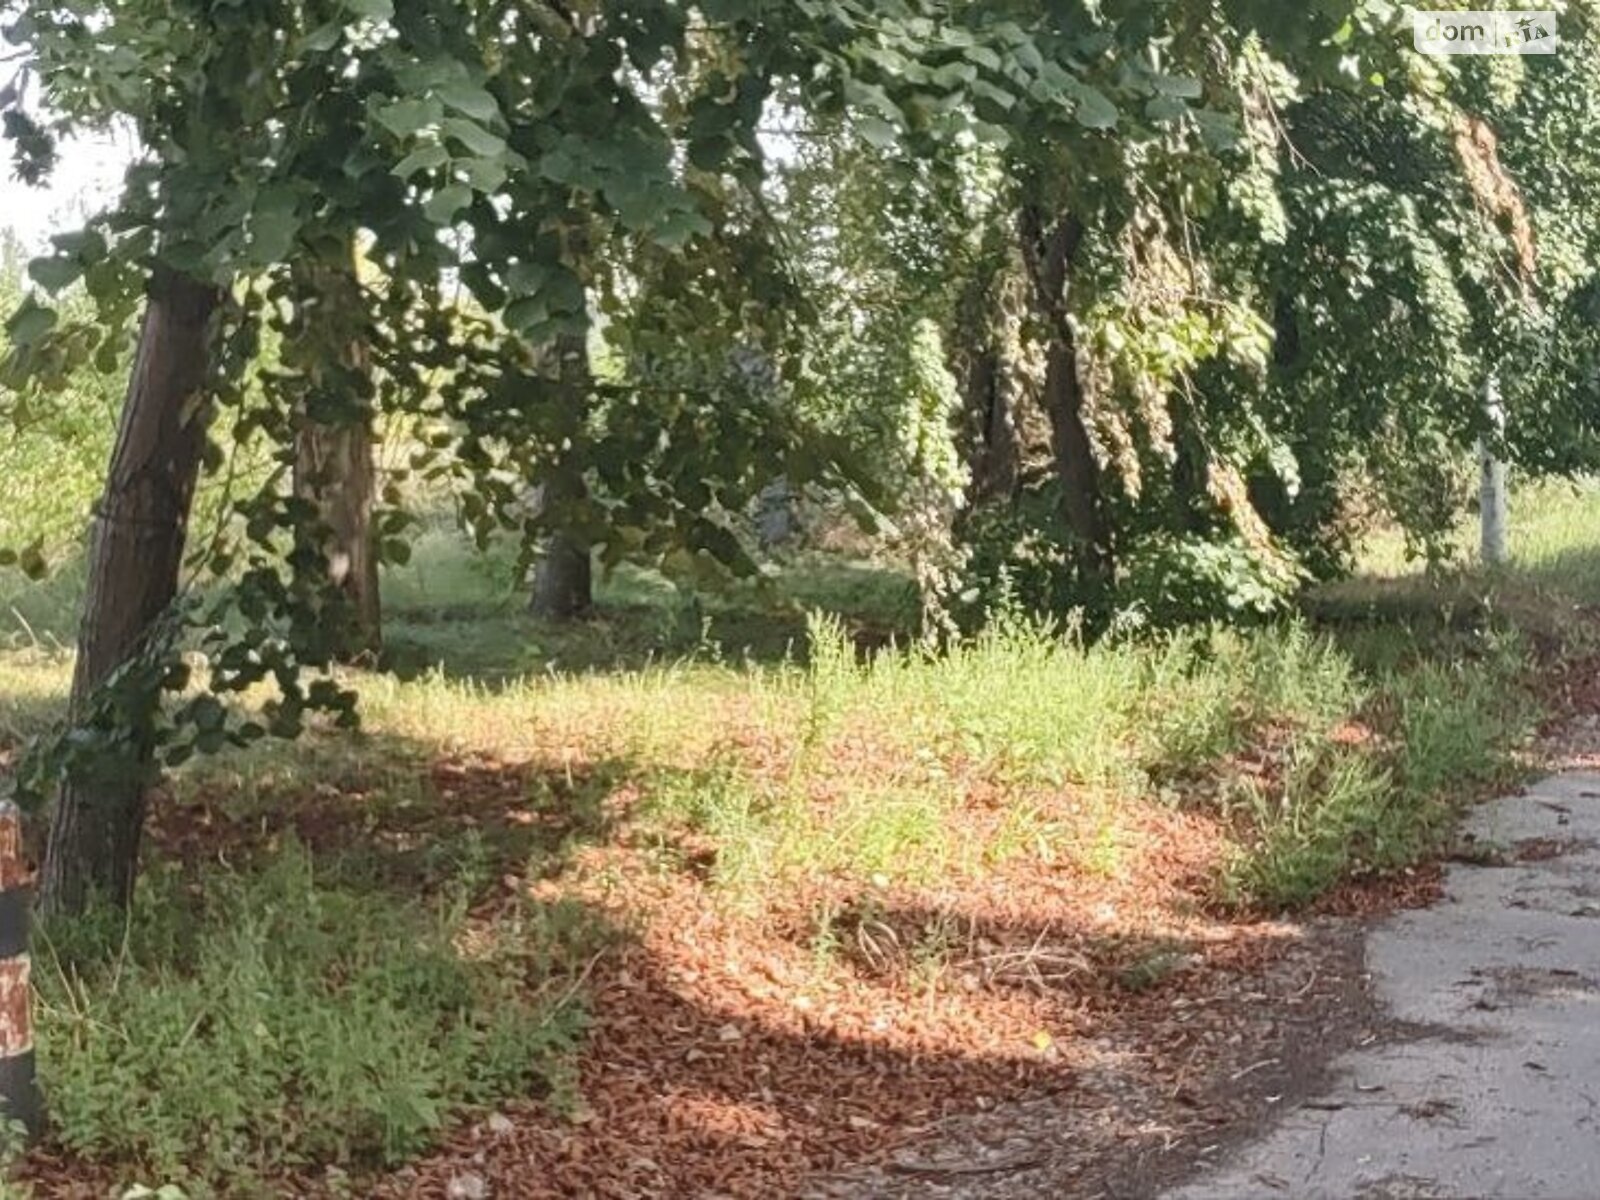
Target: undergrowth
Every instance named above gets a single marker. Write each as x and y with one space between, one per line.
275 1021
1355 773
1438 733
276 1017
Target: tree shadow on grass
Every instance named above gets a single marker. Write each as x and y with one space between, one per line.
685 1092
494 647
889 944
1389 624
394 813
700 1077
464 618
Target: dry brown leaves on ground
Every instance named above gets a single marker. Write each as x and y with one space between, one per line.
821 1043
742 1055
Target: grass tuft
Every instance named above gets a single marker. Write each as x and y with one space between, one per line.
274 1021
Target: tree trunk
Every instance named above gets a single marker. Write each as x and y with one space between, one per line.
777 521
1049 255
1076 466
333 467
995 465
333 470
136 545
563 581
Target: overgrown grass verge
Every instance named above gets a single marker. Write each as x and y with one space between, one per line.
911 768
242 1027
270 1019
1385 794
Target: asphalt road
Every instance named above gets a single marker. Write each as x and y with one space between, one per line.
1487 1086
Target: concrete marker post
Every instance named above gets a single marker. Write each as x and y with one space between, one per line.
1494 504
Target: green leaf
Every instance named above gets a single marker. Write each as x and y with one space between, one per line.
474 137
30 322
404 118
1092 110
710 154
423 158
526 278
88 245
54 274
470 99
877 132
444 204
1220 131
1179 87
323 38
985 90
984 57
207 713
1027 56
954 75
372 10
1165 108
484 174
678 227
274 222
522 316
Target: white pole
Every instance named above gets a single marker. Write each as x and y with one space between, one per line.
1493 501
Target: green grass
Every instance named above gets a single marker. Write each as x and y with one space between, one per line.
363 910
1555 548
464 613
245 1024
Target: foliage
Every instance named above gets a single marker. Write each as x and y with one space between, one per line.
1186 581
1017 557
282 1019
56 451
283 137
652 258
1340 811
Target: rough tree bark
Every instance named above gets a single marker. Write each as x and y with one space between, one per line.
984 341
136 545
563 580
1049 254
995 464
334 471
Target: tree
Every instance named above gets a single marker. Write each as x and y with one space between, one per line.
563 584
208 95
136 546
585 276
333 468
470 141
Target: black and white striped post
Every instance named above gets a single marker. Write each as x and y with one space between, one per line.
19 1085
